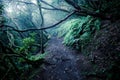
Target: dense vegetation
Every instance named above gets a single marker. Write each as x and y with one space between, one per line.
78 32
19 52
89 35
93 30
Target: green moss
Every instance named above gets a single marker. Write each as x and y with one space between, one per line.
37 57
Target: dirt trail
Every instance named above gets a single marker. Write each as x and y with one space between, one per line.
68 64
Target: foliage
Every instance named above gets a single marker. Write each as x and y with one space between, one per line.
16 53
64 28
27 43
106 48
78 32
20 59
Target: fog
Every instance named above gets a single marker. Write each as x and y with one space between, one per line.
26 13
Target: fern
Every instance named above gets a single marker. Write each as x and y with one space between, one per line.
78 32
67 26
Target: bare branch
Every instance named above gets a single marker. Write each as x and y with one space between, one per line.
32 29
42 25
53 7
56 9
48 4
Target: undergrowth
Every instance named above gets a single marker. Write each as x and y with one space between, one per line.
78 32
19 59
18 56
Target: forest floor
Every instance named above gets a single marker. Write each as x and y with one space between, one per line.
67 64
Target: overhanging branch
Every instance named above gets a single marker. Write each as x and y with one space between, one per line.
32 29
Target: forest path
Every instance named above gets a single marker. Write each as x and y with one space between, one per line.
68 64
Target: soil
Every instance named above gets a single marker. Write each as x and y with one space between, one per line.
66 63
